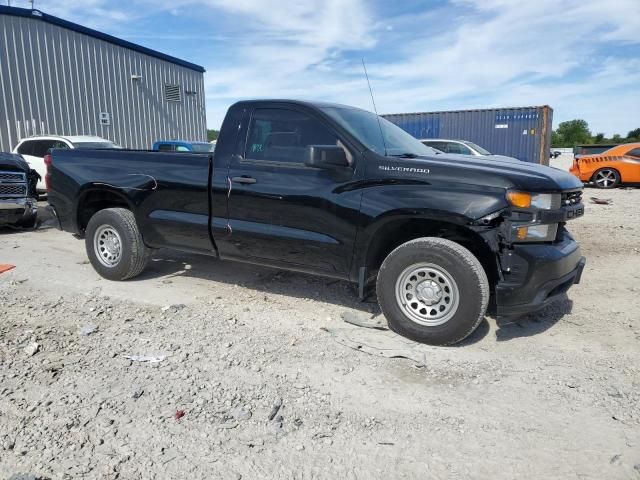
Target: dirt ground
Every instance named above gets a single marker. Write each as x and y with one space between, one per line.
252 361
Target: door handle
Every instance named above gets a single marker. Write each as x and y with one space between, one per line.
245 180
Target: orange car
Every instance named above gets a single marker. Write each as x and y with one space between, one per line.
620 164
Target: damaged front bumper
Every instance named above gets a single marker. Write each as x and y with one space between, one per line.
16 210
537 274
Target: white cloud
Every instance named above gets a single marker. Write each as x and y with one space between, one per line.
465 54
96 14
477 53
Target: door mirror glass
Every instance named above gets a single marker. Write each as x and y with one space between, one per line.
326 156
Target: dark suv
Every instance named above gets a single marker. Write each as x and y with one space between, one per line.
18 204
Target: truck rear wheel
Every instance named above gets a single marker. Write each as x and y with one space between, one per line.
114 244
433 290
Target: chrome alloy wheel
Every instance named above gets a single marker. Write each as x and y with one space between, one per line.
605 178
427 294
107 246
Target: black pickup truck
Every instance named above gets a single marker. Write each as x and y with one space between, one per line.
336 191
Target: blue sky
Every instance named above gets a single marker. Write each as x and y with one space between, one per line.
582 57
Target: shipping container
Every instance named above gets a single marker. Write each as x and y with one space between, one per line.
523 133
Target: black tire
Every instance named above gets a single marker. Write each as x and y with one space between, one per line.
133 254
461 266
606 178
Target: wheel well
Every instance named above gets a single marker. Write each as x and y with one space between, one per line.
95 201
397 232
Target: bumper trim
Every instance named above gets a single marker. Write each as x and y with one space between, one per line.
18 203
547 293
17 210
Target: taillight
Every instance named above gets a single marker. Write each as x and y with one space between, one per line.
48 161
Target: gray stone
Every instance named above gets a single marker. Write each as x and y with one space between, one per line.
241 413
32 349
88 329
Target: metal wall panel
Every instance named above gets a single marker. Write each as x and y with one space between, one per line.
523 133
57 81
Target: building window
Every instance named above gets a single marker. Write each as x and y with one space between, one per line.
172 93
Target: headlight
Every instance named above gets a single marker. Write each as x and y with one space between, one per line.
542 201
535 233
546 201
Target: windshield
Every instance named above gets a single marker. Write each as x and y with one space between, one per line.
202 147
365 127
477 148
95 145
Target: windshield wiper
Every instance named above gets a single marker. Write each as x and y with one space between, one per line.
405 155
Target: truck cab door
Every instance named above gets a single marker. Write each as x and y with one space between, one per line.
282 212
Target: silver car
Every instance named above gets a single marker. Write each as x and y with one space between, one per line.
460 147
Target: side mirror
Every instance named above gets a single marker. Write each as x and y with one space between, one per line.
326 156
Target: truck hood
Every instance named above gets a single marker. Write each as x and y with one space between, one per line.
13 162
493 171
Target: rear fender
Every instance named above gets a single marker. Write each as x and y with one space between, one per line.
97 196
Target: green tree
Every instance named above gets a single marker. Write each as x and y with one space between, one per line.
574 132
635 134
212 135
556 139
599 138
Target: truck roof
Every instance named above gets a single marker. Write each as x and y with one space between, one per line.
305 103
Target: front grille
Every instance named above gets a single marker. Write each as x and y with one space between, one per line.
12 177
13 189
571 198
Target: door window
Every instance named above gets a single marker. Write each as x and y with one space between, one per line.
458 148
182 148
26 148
282 135
41 147
165 147
442 146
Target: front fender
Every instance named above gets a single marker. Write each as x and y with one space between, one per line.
458 205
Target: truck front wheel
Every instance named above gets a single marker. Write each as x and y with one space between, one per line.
114 244
433 290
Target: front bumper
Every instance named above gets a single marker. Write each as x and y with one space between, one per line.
15 210
537 275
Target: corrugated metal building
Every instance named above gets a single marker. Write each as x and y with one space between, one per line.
60 78
523 133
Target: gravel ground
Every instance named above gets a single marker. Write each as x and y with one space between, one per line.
252 384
